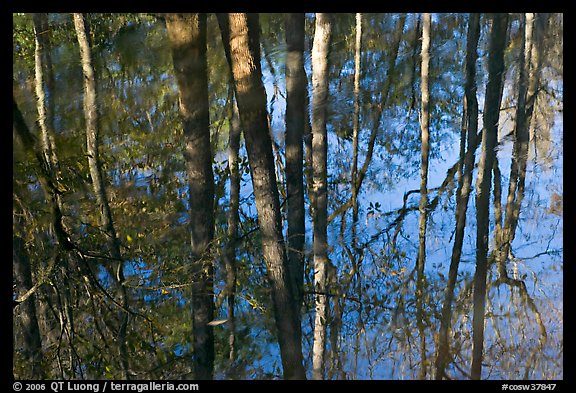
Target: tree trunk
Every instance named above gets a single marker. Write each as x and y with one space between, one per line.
470 128
415 45
425 150
187 36
320 53
483 182
42 61
44 81
233 222
240 36
353 253
92 147
295 109
356 124
528 83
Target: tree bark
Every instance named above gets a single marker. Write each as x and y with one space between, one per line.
240 36
470 128
320 53
187 37
296 85
483 182
92 147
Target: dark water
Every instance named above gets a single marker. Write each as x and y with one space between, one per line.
380 336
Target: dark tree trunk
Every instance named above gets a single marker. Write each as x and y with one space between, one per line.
470 128
240 35
296 85
187 36
483 183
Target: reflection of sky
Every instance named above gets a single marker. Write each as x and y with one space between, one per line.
537 246
538 232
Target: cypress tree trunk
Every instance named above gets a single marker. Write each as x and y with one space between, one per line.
92 147
470 128
483 183
233 222
41 62
528 83
187 36
240 36
356 125
320 53
425 150
295 109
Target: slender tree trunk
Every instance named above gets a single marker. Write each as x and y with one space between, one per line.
379 108
233 222
340 290
308 153
528 83
497 193
470 128
483 183
425 137
40 54
296 85
240 36
335 318
43 33
414 61
425 132
320 53
356 124
92 147
44 82
187 36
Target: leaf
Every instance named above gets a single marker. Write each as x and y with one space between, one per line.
217 322
129 238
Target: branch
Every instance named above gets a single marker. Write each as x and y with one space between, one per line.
41 282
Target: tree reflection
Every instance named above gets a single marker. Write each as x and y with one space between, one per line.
395 307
